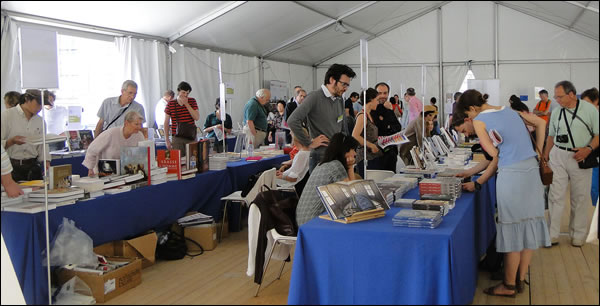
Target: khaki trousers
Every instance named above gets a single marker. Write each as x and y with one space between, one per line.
567 170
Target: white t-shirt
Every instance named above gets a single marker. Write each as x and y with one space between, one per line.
159 112
299 166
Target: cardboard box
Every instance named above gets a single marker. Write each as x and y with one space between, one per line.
204 234
111 284
225 229
143 247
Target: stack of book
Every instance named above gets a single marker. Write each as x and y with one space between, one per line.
58 196
195 219
417 218
120 189
218 162
159 176
395 187
6 201
113 181
451 186
188 173
92 186
435 205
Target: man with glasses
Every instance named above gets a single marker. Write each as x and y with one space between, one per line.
323 109
569 142
113 110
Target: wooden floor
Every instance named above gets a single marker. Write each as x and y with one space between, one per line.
562 274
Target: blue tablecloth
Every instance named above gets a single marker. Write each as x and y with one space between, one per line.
116 217
374 262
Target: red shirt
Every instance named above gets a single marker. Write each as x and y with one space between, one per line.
180 113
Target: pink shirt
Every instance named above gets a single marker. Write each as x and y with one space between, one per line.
416 107
108 146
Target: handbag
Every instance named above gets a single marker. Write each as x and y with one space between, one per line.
546 173
186 130
171 246
591 161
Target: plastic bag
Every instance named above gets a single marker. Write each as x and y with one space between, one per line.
71 246
75 292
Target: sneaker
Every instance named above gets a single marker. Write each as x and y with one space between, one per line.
554 241
577 243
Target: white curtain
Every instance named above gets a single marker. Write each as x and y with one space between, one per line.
11 68
200 68
144 62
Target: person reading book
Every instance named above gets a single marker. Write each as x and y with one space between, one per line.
12 188
374 152
299 166
108 144
337 165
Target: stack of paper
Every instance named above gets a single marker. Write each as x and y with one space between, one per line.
195 219
217 162
58 196
417 218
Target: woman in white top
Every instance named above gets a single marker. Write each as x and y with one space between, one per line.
299 166
108 144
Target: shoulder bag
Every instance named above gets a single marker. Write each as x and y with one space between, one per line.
591 161
185 130
546 173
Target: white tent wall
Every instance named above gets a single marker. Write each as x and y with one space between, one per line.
531 52
291 73
11 69
200 68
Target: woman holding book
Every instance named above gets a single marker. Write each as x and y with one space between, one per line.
108 144
374 152
337 165
521 226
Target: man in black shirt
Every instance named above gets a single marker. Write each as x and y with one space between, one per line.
387 124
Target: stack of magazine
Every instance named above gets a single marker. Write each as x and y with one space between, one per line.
417 218
195 219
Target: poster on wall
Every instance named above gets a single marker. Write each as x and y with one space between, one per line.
279 90
536 92
39 58
490 87
74 122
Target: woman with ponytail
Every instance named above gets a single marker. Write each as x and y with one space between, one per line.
521 226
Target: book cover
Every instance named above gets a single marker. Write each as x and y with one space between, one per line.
73 141
343 199
136 160
396 139
161 133
170 159
109 167
150 144
85 137
203 160
191 154
60 176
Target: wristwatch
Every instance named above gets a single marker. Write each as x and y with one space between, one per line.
477 185
590 146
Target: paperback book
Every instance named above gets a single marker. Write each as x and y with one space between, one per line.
343 199
396 139
170 159
85 137
60 176
73 141
108 167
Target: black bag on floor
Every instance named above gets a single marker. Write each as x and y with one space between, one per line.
171 246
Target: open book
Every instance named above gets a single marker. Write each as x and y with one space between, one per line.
396 139
343 199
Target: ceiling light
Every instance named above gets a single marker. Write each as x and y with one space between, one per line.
339 27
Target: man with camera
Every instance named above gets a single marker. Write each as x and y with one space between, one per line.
572 136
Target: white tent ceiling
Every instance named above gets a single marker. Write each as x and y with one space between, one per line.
302 32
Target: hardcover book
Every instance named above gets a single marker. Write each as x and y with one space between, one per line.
203 160
191 155
60 176
85 137
109 167
343 199
136 160
170 159
73 141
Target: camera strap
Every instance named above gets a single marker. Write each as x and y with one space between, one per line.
568 128
562 112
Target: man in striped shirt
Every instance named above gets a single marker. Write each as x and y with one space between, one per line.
183 109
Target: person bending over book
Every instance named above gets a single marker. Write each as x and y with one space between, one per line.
108 144
337 165
18 124
12 188
299 165
414 133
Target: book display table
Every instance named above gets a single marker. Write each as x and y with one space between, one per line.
116 217
373 262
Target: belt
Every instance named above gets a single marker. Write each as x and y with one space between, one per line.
566 149
21 162
260 129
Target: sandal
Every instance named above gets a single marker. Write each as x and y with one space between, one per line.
490 290
520 284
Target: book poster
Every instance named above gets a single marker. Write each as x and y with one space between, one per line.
74 122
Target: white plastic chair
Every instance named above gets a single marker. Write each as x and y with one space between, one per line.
278 239
378 175
266 178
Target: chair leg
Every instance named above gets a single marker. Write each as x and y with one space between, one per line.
265 268
223 221
281 271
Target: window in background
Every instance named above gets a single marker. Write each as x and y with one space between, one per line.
88 73
469 76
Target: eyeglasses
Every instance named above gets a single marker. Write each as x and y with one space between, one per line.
344 84
559 97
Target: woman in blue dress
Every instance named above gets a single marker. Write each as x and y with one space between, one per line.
521 226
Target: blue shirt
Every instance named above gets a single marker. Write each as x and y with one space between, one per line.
516 143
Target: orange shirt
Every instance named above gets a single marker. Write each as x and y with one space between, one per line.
542 107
